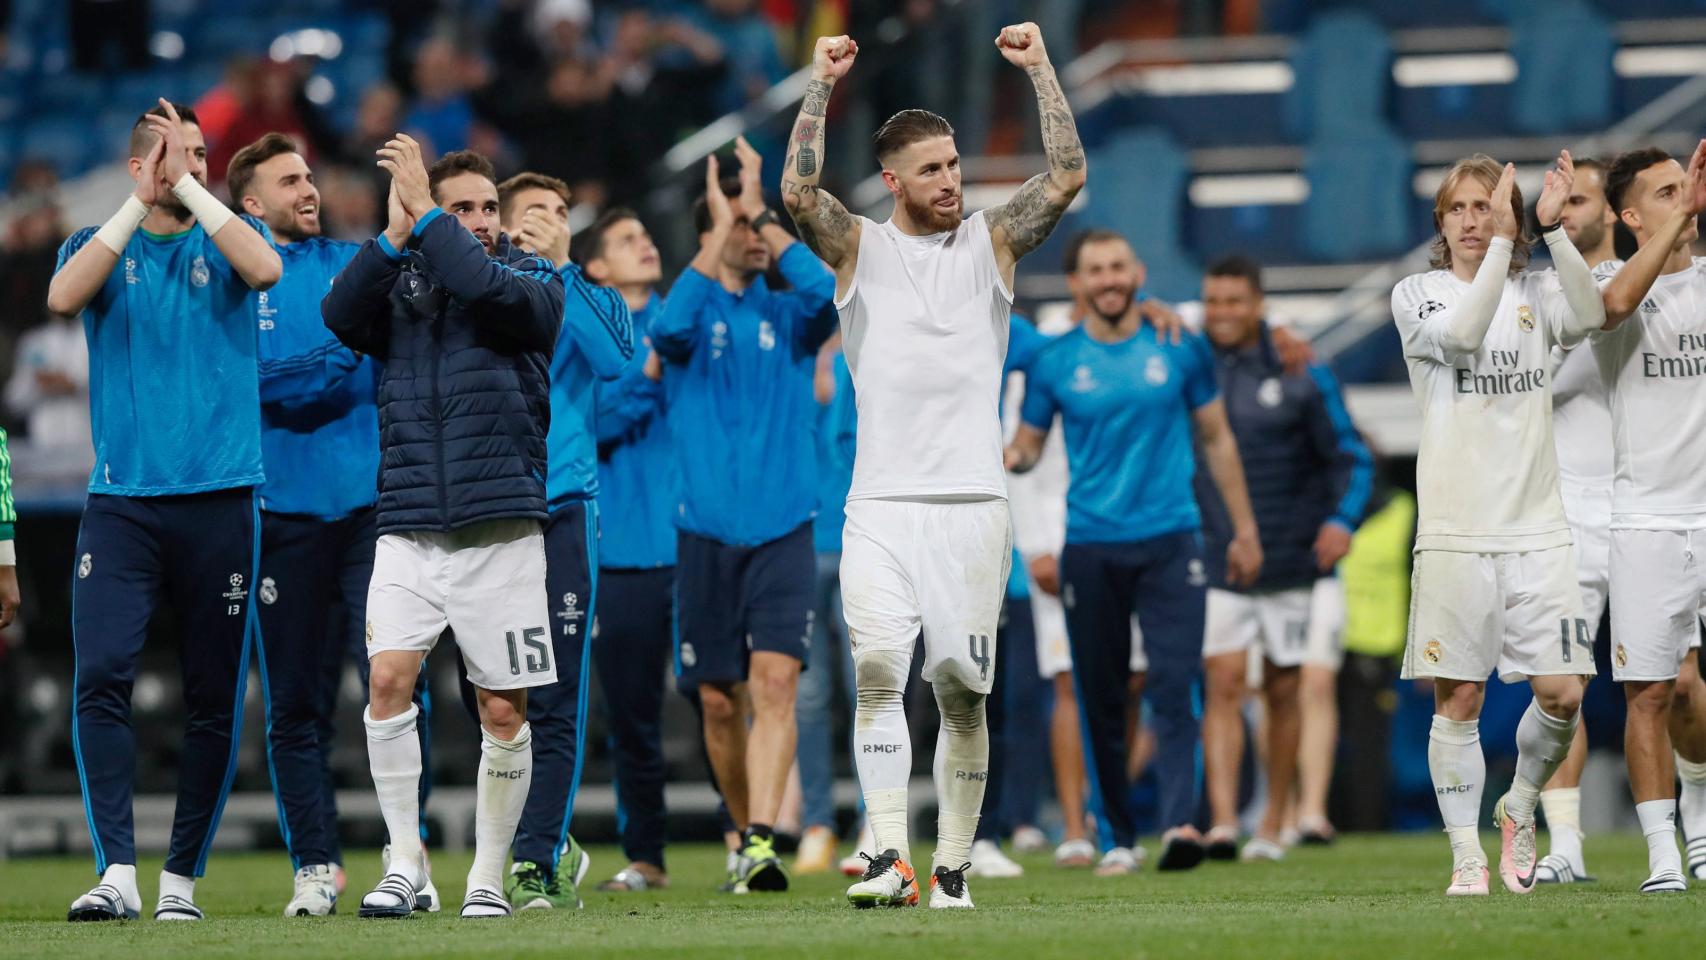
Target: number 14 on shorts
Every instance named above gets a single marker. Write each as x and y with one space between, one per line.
1582 638
538 651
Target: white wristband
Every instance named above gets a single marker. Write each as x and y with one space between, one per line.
8 553
209 212
115 233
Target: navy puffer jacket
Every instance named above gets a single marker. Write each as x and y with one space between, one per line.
464 396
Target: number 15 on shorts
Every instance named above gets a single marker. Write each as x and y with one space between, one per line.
1582 638
538 651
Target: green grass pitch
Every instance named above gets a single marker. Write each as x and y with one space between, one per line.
1369 896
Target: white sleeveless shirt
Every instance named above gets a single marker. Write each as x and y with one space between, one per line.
924 327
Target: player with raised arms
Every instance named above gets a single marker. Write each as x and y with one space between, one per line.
924 299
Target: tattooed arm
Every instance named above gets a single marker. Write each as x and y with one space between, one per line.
824 224
1022 224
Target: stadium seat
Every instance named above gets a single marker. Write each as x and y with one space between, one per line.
1359 190
1139 190
1341 69
1564 68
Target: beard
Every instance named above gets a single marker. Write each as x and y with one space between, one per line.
1590 236
1119 314
928 216
168 202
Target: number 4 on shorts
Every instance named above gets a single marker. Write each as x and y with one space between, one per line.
538 651
980 654
1582 639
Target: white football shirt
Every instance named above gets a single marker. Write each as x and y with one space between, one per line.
1654 365
1581 422
924 326
1487 473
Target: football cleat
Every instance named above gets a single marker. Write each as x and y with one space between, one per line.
1469 879
948 889
853 864
529 888
817 851
1517 849
759 869
888 882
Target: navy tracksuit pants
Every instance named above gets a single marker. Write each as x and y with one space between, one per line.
197 554
633 648
1162 581
312 610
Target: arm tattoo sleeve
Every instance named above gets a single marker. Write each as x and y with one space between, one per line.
1029 217
822 221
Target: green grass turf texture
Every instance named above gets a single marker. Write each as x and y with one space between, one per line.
1368 896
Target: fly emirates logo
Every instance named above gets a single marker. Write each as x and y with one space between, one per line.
1690 363
1508 377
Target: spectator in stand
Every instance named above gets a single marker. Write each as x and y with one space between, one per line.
664 77
272 103
442 114
349 204
565 131
749 49
49 390
28 253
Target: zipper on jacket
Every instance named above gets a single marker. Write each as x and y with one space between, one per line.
438 417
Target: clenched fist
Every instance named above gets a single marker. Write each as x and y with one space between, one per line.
833 57
1022 45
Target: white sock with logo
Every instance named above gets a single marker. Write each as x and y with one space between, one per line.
394 757
882 745
962 771
1542 743
506 773
1459 773
1658 825
1563 806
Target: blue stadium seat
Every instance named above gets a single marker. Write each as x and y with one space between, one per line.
218 38
1138 189
1564 71
1359 191
1342 69
62 141
66 93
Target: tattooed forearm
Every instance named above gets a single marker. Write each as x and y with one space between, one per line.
816 103
1060 132
824 224
1029 217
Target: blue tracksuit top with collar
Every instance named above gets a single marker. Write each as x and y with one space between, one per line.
1304 463
637 476
739 392
596 343
319 415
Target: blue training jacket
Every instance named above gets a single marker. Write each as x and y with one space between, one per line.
173 389
739 389
637 477
596 343
1304 464
319 418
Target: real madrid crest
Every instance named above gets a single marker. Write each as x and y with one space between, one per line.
1622 656
1270 393
1525 318
1155 371
1431 652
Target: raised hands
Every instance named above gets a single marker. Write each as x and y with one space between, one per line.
1555 193
1022 45
398 223
1694 191
833 57
717 202
751 183
401 158
172 163
1504 218
543 234
148 181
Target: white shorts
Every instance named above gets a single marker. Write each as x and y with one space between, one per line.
1517 613
940 569
1286 627
1660 584
1589 514
486 582
1054 654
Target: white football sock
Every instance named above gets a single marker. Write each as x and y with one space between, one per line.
1691 802
176 885
1658 824
123 877
1542 742
506 772
1459 772
394 756
1563 807
962 771
883 745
